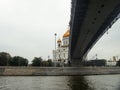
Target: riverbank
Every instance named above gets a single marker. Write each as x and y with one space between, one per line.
57 71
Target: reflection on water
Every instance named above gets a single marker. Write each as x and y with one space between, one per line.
104 82
79 83
101 82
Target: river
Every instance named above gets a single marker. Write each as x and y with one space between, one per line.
96 82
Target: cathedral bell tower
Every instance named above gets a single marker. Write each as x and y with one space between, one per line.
59 43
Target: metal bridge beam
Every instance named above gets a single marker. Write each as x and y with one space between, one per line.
90 19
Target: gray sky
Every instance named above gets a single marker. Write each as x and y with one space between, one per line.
27 29
109 44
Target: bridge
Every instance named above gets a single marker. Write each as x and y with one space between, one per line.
90 19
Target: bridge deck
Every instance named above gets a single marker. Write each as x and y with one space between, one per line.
90 19
57 71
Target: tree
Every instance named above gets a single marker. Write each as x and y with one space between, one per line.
18 61
50 62
57 64
118 63
37 61
4 58
45 63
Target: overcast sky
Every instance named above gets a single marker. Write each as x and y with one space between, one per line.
109 45
27 29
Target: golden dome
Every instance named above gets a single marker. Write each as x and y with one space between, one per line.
67 33
58 40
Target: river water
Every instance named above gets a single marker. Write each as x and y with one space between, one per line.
98 82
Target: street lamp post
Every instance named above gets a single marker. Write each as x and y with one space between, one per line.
55 48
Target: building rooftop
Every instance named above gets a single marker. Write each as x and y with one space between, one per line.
67 33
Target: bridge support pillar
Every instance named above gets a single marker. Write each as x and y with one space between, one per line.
76 63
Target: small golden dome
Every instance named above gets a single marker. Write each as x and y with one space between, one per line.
58 40
67 33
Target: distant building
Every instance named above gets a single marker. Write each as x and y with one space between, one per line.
96 62
111 63
118 63
60 55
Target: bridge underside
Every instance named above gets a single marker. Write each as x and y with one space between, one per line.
89 21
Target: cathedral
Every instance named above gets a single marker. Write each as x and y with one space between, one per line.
60 55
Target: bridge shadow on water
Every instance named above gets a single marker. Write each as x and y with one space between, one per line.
118 86
79 83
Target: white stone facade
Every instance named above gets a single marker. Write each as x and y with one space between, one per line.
60 55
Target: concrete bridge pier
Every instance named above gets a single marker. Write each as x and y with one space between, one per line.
76 63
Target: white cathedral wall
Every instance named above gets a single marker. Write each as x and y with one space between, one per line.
65 40
62 52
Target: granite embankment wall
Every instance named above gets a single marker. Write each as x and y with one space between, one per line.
58 71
